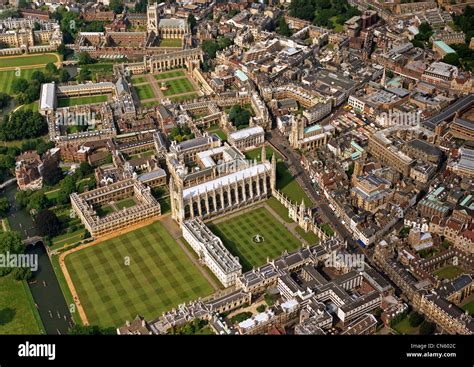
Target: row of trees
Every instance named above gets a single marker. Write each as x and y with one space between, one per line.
23 124
320 12
11 242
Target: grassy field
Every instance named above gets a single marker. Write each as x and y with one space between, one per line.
138 80
403 327
144 91
279 209
8 76
238 233
125 203
76 101
158 277
178 86
150 104
218 131
469 307
449 272
286 183
27 60
169 74
16 314
309 236
171 42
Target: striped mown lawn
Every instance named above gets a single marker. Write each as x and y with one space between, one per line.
76 101
169 74
26 60
158 277
238 233
8 76
178 86
144 91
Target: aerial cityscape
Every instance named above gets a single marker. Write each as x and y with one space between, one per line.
270 167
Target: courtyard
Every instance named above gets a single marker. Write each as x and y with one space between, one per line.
141 272
255 236
173 84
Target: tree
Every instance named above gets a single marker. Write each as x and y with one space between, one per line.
91 330
239 116
52 173
19 85
140 6
63 75
10 242
452 59
283 27
427 328
51 68
84 169
116 6
192 21
47 223
415 319
23 124
84 74
4 100
84 58
4 207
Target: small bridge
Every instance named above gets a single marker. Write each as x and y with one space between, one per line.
32 240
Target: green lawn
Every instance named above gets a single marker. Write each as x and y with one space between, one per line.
76 101
337 27
104 210
279 209
469 307
286 183
27 60
144 91
159 276
178 86
150 104
403 327
169 74
326 228
16 313
237 235
218 131
8 76
138 80
125 203
449 272
309 236
171 42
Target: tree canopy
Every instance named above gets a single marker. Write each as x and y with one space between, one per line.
23 124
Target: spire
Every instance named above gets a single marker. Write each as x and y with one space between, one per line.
264 153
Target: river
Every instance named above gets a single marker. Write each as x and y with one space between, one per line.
44 285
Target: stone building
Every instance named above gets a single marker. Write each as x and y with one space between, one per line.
217 181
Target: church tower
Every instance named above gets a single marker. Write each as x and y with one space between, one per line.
153 19
297 132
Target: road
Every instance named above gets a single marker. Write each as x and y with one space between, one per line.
297 170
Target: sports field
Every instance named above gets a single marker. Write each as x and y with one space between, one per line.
178 86
238 235
158 277
8 76
76 101
169 74
144 91
27 60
